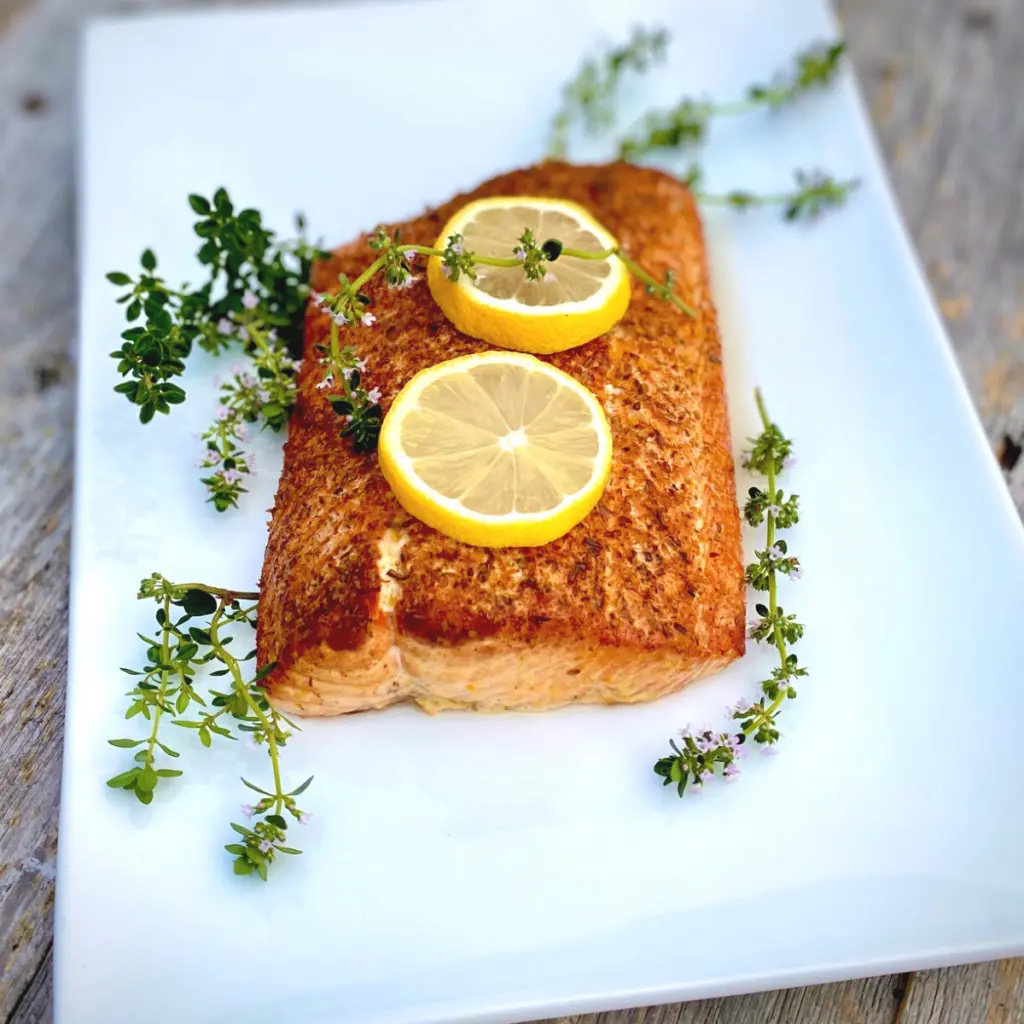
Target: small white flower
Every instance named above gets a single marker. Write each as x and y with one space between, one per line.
263 395
250 300
410 255
374 396
242 432
407 283
796 572
520 254
224 326
326 382
446 270
243 334
248 810
304 818
773 510
368 319
264 846
339 319
457 247
271 335
347 373
775 553
361 365
222 413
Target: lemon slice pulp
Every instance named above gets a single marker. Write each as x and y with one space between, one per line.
576 301
497 449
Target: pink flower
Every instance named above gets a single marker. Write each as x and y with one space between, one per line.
242 432
222 413
264 846
248 810
410 255
224 326
374 396
304 818
243 334
730 772
250 300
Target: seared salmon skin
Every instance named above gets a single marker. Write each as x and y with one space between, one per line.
363 606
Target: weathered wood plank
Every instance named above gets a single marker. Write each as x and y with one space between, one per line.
870 1001
943 80
983 994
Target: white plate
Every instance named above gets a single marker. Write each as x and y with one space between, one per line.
511 867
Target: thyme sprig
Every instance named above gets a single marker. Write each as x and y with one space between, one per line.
687 122
590 95
166 690
814 193
694 760
243 258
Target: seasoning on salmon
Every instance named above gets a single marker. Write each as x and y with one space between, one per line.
362 606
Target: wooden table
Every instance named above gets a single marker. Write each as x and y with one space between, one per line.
944 79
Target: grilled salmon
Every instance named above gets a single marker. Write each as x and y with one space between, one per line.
362 606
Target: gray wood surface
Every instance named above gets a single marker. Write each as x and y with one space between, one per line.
943 79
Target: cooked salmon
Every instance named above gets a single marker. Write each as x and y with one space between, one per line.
363 606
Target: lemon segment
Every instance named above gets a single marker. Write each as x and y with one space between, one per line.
497 449
577 300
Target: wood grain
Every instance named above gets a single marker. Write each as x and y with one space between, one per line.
943 80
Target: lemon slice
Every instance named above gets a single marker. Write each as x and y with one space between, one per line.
496 449
577 300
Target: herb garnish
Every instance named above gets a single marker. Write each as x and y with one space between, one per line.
687 122
694 761
590 95
815 192
166 690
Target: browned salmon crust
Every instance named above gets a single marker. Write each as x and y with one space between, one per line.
363 606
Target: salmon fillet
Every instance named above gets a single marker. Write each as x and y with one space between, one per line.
363 606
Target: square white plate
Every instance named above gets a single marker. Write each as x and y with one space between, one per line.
501 868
